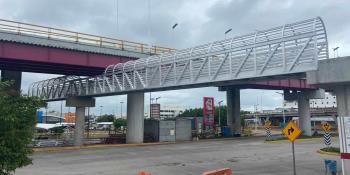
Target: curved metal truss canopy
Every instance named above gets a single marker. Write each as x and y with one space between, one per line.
288 49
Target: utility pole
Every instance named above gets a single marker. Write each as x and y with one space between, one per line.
121 109
220 112
61 112
101 110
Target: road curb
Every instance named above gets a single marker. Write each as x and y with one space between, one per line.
327 153
297 140
100 146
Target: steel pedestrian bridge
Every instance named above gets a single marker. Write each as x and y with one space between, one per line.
284 50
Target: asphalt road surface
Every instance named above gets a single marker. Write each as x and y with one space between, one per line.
246 156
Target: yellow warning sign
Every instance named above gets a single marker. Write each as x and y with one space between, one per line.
326 126
291 131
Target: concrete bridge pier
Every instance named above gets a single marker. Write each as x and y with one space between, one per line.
304 114
135 117
343 105
303 98
80 104
16 76
333 74
233 111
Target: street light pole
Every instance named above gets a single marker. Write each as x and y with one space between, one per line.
173 31
150 104
101 110
228 31
284 104
219 112
121 109
61 112
157 99
335 49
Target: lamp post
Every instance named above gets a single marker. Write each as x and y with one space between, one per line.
150 104
256 117
121 109
157 99
228 31
219 103
284 104
173 31
174 26
46 107
101 110
61 112
335 49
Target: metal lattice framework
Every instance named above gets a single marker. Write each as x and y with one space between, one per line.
288 49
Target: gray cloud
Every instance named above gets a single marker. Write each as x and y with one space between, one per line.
200 21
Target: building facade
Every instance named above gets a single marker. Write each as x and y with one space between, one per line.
330 101
170 111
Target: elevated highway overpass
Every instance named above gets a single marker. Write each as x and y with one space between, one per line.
32 48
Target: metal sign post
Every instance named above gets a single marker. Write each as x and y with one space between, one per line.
292 132
268 129
293 150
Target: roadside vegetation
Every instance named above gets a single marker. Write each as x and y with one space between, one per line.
331 149
17 126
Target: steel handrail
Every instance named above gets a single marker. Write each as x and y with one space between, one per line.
83 38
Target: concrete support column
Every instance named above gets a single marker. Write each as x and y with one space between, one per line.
80 103
79 126
304 114
233 111
303 98
15 76
343 106
135 117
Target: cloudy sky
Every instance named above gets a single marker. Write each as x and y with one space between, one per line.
200 21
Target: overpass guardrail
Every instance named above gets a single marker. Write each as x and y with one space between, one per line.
83 38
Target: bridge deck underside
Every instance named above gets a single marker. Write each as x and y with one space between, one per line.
31 58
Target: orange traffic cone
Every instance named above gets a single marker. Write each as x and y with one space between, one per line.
143 173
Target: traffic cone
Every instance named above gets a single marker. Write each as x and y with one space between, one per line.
143 173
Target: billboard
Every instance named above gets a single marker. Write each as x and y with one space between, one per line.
208 112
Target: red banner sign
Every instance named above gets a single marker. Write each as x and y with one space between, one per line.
208 111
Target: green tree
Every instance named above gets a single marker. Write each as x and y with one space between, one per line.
17 126
105 118
119 123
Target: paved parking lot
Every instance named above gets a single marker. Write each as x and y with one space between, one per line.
246 156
